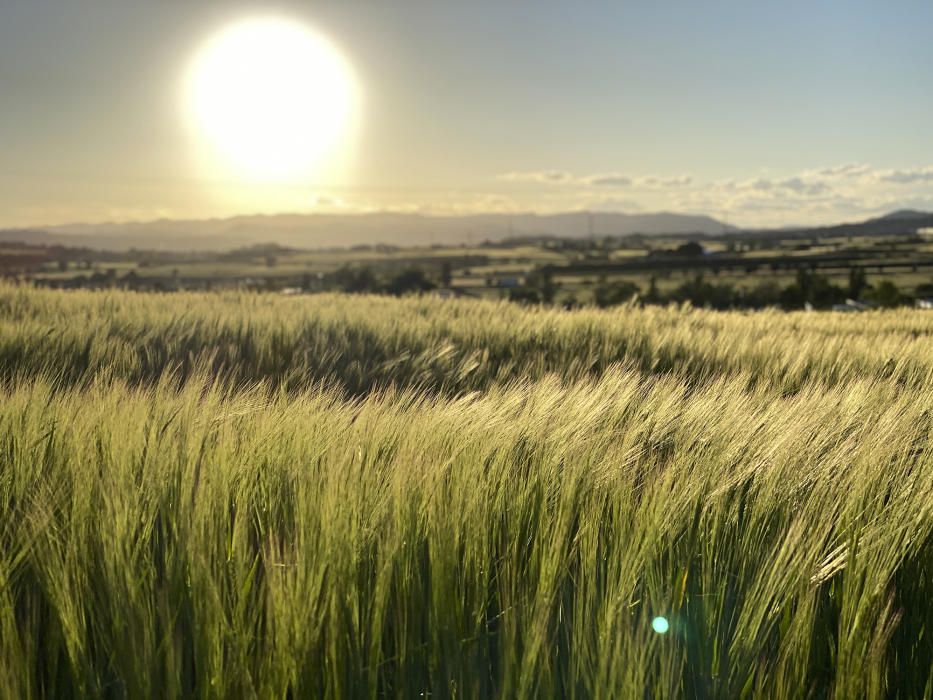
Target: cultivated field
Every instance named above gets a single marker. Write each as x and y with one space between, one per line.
245 495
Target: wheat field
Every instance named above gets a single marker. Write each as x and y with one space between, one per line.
244 495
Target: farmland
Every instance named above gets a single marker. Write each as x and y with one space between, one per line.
885 262
243 494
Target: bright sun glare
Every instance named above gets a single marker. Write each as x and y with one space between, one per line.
271 99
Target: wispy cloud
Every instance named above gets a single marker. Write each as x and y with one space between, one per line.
609 180
546 177
817 195
847 170
675 181
803 187
906 177
601 180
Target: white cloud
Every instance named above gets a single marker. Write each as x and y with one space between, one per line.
602 180
655 181
803 187
847 170
819 195
906 177
609 180
549 177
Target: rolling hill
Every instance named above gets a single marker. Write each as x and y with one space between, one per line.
315 231
344 230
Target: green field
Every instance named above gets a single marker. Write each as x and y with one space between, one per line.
728 272
246 495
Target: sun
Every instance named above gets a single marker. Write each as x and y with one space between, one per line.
270 100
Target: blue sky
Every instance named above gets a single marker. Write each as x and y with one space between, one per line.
762 113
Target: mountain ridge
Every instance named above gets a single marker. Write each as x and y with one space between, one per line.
328 230
344 230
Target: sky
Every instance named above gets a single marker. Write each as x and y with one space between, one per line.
765 113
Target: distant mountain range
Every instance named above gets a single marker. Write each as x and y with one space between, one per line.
312 231
345 230
896 223
904 215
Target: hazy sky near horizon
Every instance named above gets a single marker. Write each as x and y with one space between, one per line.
759 113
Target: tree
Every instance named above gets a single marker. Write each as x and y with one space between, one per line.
811 288
523 295
356 281
691 249
541 281
761 295
887 294
611 294
857 282
653 296
701 293
547 286
446 273
409 281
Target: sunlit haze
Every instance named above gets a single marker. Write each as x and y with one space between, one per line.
758 114
271 101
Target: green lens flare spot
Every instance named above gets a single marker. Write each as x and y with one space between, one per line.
660 625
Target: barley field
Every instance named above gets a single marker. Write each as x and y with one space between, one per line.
244 495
